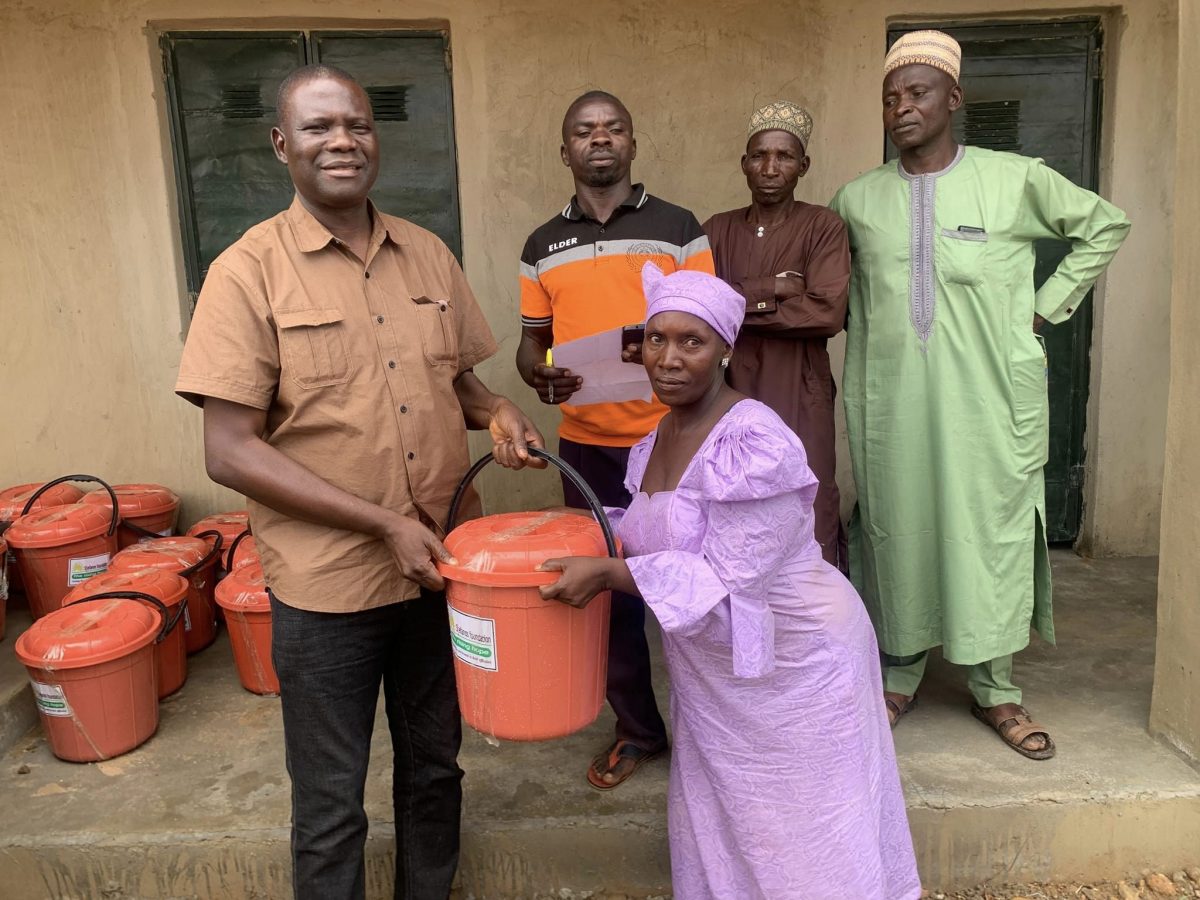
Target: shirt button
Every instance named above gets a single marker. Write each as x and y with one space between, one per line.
379 319
391 364
412 456
403 409
602 231
368 274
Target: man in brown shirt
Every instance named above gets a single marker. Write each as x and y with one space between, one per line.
791 261
331 349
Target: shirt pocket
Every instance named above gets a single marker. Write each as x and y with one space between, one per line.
313 345
962 256
439 338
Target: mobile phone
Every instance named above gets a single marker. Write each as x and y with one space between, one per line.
632 334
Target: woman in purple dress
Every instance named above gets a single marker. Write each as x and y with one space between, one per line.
783 777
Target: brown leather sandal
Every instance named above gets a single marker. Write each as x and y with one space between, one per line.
619 762
1015 730
898 706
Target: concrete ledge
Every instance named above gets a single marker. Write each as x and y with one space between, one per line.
1090 840
546 860
17 712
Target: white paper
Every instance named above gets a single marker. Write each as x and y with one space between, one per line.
606 377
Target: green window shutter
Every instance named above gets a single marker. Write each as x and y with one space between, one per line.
406 77
222 89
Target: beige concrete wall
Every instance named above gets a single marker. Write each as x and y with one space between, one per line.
1175 708
90 269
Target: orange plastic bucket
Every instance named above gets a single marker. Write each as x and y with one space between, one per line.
91 667
229 525
161 589
13 499
147 510
12 502
244 552
243 595
193 560
527 669
59 548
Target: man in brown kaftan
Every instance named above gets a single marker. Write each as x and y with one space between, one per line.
791 261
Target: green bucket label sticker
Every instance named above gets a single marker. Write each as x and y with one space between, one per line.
473 640
50 699
81 568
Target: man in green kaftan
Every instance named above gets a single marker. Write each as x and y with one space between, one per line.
945 387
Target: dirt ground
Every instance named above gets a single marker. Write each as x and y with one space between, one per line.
1147 885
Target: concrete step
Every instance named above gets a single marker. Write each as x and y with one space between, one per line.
201 810
17 712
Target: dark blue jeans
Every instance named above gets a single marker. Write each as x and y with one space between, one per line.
330 666
630 691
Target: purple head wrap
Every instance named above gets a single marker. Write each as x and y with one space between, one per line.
704 296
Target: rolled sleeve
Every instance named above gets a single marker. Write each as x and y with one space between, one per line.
232 350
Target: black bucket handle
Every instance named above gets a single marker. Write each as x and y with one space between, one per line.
168 624
233 548
116 513
207 557
574 477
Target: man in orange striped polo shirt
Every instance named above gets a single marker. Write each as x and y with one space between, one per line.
580 275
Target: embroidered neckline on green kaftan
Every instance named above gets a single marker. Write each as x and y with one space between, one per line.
922 292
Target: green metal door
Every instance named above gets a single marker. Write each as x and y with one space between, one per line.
408 79
222 93
222 88
1034 89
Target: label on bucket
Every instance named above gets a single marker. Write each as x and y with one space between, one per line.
50 699
81 568
187 619
473 639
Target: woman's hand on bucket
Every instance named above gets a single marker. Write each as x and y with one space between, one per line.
415 549
583 577
513 433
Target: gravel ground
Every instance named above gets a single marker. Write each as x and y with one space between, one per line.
1146 885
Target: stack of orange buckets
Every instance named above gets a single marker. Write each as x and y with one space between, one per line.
118 604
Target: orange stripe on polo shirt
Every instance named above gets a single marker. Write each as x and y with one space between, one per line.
582 278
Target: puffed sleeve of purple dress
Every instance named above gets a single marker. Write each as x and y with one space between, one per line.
735 519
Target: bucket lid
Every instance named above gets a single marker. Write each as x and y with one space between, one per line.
88 634
136 499
59 525
247 553
13 499
230 524
166 586
173 554
244 590
505 550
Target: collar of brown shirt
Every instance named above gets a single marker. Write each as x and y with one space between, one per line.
354 362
